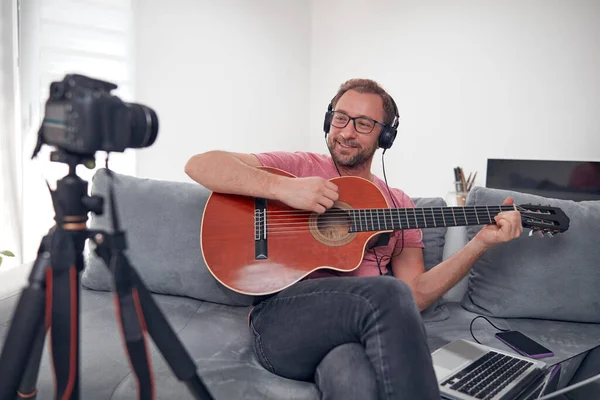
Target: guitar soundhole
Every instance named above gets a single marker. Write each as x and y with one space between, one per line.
331 228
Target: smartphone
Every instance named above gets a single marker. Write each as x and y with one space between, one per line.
524 345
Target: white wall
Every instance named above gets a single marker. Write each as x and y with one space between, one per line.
230 75
473 80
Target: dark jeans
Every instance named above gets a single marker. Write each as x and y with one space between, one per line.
355 337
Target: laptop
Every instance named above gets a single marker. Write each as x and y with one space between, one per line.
469 371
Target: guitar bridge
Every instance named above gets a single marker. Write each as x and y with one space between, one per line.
260 229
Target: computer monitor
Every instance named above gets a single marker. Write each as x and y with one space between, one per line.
570 180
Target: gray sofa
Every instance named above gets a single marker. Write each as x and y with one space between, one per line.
545 288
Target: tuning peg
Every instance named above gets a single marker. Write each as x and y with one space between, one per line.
550 234
531 232
540 234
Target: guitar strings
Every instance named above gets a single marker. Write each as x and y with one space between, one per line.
343 216
382 225
299 223
420 210
304 228
340 216
361 214
372 222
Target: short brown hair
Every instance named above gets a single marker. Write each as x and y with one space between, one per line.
368 86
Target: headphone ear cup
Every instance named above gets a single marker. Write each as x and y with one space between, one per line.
387 137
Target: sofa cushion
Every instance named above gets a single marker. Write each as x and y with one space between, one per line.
161 220
531 277
218 340
214 335
433 254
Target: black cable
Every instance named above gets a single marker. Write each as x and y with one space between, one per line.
391 197
336 167
385 177
377 260
395 206
481 316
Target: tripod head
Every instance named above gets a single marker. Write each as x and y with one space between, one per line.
70 198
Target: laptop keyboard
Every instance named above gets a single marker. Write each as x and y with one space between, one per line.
487 376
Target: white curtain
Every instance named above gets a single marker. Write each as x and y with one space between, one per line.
10 168
58 37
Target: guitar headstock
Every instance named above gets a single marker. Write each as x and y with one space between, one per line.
543 219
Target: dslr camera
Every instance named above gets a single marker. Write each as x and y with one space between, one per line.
83 117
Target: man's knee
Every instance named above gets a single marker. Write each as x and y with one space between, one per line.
346 373
390 290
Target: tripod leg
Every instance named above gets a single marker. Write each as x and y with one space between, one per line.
66 261
168 344
133 330
27 321
28 389
151 318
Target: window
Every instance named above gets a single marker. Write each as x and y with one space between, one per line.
57 37
10 220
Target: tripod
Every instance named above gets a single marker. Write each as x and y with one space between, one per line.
50 302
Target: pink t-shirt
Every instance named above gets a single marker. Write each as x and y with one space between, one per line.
303 164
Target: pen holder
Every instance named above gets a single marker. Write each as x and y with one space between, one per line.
461 198
460 195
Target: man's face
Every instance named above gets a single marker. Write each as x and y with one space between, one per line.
348 147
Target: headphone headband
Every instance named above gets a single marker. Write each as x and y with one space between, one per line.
396 119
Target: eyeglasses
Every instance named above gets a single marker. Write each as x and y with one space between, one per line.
363 125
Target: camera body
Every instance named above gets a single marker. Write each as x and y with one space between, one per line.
82 117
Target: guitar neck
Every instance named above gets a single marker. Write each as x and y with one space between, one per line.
379 219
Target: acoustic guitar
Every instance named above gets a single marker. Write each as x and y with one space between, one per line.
257 246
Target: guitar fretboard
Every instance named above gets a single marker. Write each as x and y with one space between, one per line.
379 219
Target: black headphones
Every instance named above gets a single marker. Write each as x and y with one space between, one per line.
388 132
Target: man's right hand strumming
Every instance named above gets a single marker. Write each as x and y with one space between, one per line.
310 194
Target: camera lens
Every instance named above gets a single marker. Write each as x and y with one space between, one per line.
144 126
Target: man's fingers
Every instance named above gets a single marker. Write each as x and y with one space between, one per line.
331 186
515 220
509 223
319 209
500 220
327 203
508 201
332 194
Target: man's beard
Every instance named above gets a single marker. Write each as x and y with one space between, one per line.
357 160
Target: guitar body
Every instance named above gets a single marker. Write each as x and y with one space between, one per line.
297 242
